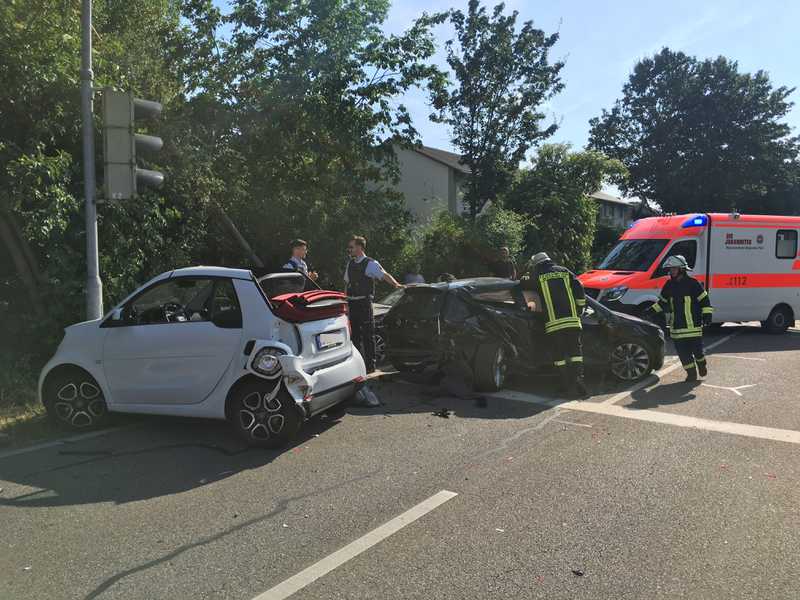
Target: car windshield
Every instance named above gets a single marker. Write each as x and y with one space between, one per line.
633 255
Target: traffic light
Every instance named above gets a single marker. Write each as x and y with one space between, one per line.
121 144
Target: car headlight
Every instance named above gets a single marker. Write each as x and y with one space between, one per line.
615 293
266 361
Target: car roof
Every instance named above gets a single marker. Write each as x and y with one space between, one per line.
473 285
203 271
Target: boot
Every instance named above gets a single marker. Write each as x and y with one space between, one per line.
702 368
691 375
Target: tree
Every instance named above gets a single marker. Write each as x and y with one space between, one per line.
494 111
700 136
554 194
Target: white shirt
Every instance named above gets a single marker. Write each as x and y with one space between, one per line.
374 269
297 263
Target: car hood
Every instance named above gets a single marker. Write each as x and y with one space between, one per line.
606 279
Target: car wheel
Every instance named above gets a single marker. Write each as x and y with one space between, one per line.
265 415
779 320
74 399
630 361
380 349
490 367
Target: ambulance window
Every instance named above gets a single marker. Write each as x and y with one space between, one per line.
686 248
786 243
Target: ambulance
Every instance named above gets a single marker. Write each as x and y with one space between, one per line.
748 263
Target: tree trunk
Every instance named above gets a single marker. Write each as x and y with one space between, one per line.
27 273
229 225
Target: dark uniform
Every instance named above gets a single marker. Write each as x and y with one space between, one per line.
564 300
688 306
360 293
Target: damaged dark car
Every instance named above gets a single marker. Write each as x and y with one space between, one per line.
497 327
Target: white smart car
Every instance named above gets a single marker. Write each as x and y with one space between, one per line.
210 342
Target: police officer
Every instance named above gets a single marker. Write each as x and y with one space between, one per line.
688 308
298 260
563 302
360 276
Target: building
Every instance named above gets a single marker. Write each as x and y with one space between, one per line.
617 212
431 180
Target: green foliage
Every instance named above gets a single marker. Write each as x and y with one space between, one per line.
701 136
457 245
553 194
503 76
282 113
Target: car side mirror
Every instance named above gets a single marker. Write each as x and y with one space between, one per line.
116 314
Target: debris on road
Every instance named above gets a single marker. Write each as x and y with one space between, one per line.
577 573
497 529
28 568
285 526
444 413
366 397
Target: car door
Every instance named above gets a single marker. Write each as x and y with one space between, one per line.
174 342
596 335
413 325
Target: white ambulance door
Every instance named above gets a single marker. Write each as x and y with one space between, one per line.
690 249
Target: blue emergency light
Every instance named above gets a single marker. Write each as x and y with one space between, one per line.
696 221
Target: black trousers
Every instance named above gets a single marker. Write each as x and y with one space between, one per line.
567 354
362 322
691 353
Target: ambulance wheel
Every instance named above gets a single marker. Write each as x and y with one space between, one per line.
779 320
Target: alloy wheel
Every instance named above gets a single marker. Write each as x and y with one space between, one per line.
500 368
80 404
260 414
630 361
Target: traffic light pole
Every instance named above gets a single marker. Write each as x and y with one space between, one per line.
94 287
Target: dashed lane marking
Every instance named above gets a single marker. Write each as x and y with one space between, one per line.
61 442
353 549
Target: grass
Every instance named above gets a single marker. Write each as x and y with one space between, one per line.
26 423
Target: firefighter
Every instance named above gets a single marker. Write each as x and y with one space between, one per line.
563 303
688 309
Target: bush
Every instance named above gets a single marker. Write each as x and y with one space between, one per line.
453 244
605 238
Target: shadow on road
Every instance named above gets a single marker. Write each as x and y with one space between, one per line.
664 395
159 457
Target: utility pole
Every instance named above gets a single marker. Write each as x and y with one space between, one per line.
94 287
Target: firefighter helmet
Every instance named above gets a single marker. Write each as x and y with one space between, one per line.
677 261
539 258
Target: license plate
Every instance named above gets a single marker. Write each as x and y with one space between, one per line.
331 339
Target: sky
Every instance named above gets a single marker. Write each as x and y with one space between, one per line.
601 41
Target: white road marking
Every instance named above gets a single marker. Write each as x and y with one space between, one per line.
659 374
740 357
653 416
735 390
572 423
60 442
353 549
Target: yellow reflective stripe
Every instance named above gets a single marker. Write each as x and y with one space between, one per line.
701 360
576 359
701 296
690 366
657 308
568 289
707 310
560 363
576 325
580 302
687 311
661 298
681 336
562 320
548 300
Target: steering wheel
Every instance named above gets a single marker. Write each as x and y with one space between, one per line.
171 311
